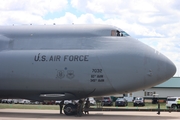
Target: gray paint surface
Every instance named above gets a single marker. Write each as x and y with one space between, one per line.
76 61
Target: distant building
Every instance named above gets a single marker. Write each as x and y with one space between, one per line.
168 88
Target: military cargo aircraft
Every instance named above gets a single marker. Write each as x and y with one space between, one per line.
69 62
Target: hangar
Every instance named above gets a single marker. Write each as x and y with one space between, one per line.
162 91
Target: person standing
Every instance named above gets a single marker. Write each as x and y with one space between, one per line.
80 108
86 107
61 104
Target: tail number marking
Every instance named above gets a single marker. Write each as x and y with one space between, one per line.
96 70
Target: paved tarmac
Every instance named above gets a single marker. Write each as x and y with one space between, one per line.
24 114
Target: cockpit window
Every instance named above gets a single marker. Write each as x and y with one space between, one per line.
119 33
124 33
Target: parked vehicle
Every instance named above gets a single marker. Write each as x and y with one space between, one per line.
9 101
121 102
48 102
24 101
67 102
4 100
35 102
91 100
16 101
107 101
139 101
57 102
155 100
171 102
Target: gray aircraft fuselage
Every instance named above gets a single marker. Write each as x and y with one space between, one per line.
76 61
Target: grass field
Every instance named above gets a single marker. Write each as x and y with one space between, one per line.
56 107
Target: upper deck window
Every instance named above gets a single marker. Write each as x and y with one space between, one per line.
119 33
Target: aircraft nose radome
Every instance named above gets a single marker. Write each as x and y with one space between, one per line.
170 69
166 68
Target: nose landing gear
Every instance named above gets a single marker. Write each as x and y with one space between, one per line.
70 109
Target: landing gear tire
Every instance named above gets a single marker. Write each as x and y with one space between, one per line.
70 109
174 106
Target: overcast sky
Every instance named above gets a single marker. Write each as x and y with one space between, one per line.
154 22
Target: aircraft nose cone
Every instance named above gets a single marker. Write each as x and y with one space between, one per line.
165 68
170 69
